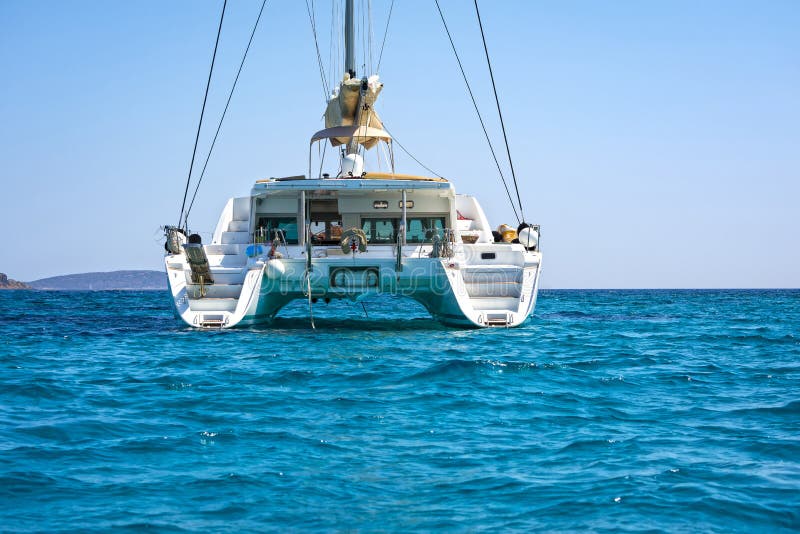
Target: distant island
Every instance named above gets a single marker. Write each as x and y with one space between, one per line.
8 283
106 281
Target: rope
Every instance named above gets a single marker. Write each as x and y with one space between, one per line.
369 34
480 117
202 111
394 139
332 72
385 33
222 118
364 64
319 57
500 113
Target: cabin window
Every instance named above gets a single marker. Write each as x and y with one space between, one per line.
287 224
380 231
326 231
325 222
418 229
422 229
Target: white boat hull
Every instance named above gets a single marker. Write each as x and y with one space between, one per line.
457 291
291 237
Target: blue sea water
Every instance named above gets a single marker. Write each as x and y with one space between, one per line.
637 411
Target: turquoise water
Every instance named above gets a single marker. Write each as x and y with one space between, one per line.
609 410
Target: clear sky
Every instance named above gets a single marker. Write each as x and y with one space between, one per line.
658 143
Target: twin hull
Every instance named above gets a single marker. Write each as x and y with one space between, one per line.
461 275
463 291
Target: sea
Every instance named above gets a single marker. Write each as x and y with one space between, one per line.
631 411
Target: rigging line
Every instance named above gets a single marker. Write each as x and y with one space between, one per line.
202 111
480 117
394 139
224 111
316 44
319 57
314 18
340 42
500 113
385 33
364 46
331 48
369 34
361 34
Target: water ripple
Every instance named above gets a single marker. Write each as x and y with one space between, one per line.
610 410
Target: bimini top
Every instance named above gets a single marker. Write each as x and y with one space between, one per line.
364 135
351 184
362 178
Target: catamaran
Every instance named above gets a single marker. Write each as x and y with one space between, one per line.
352 233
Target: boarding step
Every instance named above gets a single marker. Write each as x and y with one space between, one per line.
228 248
239 238
494 290
227 260
241 208
216 291
213 304
496 319
491 273
212 320
495 303
239 226
223 275
493 281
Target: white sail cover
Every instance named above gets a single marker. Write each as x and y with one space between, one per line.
343 110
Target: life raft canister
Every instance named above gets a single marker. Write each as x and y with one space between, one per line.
352 240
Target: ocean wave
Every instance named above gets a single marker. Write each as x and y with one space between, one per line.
611 410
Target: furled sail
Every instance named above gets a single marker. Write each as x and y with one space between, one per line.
353 104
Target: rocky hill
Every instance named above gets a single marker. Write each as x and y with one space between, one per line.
115 280
8 283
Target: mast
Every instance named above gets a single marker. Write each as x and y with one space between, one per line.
349 39
351 106
350 66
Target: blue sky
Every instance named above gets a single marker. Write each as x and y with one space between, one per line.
658 143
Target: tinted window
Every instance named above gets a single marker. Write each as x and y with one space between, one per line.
287 224
326 232
380 230
422 229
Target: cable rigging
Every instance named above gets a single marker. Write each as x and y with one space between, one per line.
312 20
369 35
225 111
385 33
202 112
332 53
480 117
500 113
394 140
